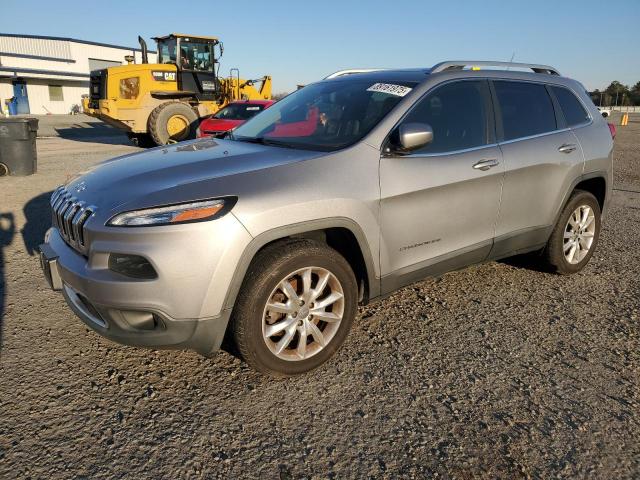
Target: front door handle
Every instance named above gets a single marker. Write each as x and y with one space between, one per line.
486 164
567 148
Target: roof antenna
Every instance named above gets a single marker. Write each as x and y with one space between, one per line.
512 57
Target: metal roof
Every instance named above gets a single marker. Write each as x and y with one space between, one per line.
182 35
69 39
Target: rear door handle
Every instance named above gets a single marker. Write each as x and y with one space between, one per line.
486 164
567 148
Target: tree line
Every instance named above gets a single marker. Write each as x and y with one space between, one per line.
617 94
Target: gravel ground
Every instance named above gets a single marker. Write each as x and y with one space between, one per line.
494 371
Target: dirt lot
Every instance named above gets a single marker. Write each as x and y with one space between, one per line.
494 371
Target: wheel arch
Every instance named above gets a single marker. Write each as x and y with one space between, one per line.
597 186
588 182
342 234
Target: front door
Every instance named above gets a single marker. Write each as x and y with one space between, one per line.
20 92
439 204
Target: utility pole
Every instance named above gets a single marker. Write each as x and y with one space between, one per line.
601 98
617 91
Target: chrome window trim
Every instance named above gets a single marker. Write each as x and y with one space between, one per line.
538 135
443 154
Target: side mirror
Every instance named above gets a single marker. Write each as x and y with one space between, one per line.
412 136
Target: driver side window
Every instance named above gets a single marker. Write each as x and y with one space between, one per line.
458 115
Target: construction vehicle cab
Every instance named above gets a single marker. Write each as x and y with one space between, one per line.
160 103
195 59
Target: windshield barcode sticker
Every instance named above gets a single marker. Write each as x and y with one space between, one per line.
397 90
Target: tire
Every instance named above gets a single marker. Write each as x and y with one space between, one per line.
273 268
558 248
172 122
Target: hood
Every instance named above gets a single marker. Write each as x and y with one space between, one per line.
178 168
219 125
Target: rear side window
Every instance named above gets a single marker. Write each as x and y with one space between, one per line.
526 109
574 112
457 113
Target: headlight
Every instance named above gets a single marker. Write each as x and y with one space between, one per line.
172 214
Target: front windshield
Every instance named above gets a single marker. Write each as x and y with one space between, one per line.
167 51
196 55
324 116
238 111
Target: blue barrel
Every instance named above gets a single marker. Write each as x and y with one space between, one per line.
13 106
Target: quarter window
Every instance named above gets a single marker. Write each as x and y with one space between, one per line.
457 113
574 112
526 109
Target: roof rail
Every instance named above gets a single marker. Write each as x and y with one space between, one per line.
459 65
342 73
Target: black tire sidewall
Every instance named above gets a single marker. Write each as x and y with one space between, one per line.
265 280
557 257
161 115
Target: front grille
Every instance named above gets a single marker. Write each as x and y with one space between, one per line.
70 216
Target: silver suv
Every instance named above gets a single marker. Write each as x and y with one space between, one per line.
339 194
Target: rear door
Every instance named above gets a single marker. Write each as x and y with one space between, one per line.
541 158
439 204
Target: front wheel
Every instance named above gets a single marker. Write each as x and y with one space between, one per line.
576 234
295 308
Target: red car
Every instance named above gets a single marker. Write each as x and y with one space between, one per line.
234 114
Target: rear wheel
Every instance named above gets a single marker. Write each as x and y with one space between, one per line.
172 122
295 308
576 234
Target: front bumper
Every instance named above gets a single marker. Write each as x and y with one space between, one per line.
182 308
149 329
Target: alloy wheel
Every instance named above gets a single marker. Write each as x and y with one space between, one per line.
578 234
303 313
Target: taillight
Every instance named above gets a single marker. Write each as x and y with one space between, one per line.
612 129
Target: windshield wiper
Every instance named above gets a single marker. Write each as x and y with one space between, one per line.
259 140
263 141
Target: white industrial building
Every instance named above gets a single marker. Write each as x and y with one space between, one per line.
49 75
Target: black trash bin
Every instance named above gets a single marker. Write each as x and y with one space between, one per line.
18 154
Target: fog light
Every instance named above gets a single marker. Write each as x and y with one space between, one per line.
139 320
133 266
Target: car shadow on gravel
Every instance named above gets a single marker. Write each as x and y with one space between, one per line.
7 231
527 261
37 213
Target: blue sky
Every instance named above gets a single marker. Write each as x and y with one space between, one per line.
302 41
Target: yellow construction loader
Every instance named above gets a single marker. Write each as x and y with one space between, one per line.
160 103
